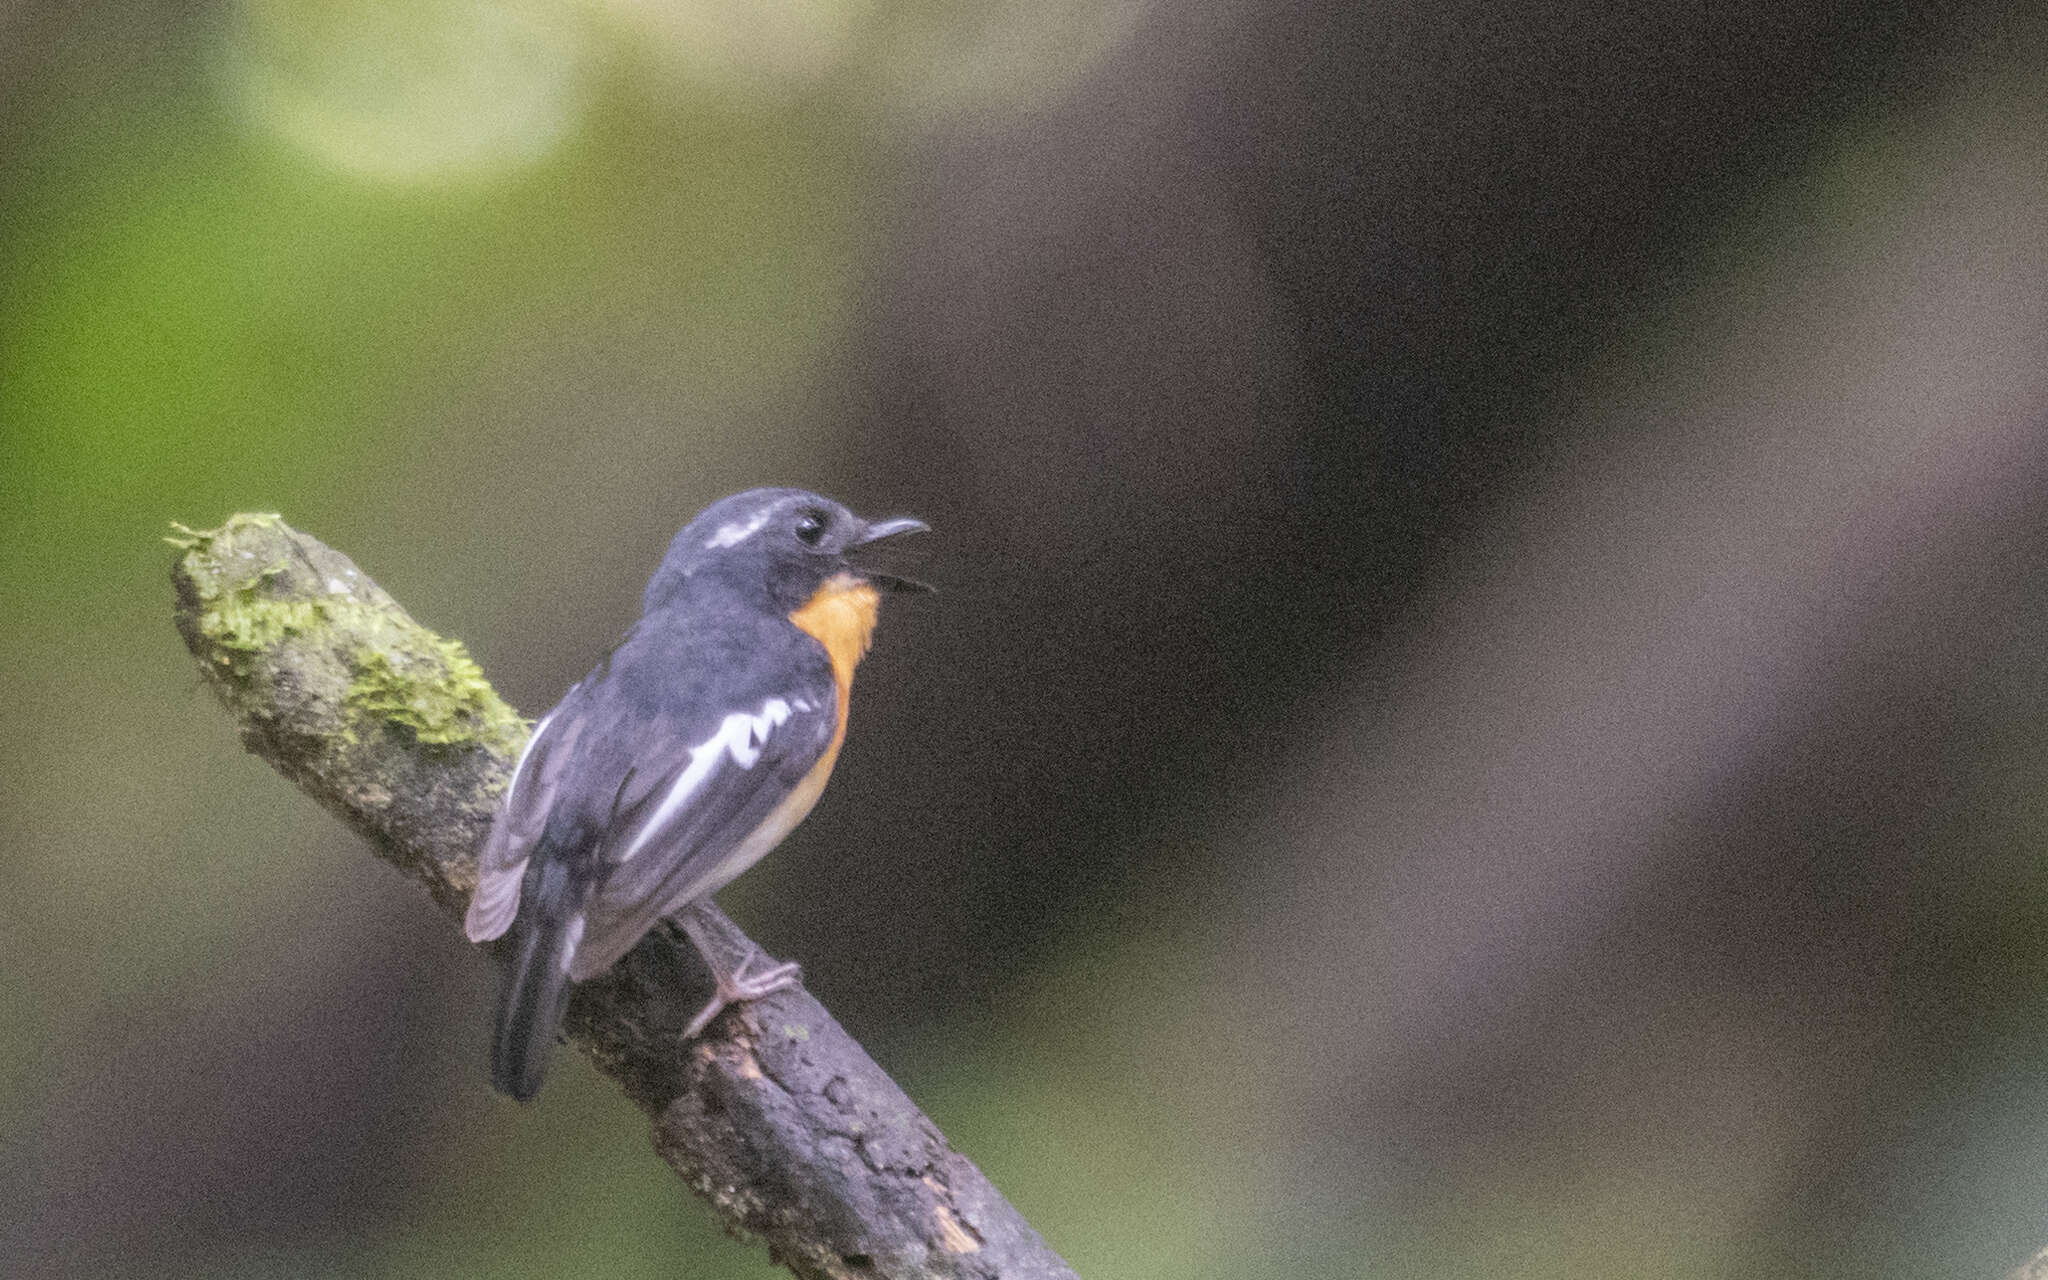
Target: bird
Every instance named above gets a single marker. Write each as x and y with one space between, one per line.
683 758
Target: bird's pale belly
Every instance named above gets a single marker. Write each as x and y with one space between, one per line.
779 823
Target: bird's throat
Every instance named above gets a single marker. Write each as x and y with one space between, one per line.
841 616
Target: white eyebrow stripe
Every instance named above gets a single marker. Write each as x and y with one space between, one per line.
733 534
740 735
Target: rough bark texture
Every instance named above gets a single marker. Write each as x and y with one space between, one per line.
775 1116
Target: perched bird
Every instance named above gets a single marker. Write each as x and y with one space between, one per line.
690 752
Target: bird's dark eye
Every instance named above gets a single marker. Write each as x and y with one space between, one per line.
810 526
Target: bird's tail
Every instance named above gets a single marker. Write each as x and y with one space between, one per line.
537 988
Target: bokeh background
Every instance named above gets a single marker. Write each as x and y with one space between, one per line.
1489 711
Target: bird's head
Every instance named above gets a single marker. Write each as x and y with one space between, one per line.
788 542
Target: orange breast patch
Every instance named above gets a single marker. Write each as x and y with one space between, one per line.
841 616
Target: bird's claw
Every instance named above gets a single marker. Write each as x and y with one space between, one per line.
742 984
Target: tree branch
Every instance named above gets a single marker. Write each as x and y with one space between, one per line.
775 1116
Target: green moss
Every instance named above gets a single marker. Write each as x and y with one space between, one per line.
432 690
237 616
270 603
249 626
189 539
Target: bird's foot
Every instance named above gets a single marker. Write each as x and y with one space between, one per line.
744 983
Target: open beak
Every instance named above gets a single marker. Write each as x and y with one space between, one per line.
883 531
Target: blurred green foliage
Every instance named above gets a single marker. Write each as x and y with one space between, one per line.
341 261
200 316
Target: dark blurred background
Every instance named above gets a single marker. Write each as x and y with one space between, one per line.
1487 711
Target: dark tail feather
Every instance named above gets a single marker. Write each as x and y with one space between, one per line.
536 994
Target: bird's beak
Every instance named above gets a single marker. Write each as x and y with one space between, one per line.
881 531
877 530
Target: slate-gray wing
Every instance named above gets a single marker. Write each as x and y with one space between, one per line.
685 833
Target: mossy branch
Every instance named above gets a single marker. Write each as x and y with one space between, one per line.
776 1116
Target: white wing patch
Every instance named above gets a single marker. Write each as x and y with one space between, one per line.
740 735
733 534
